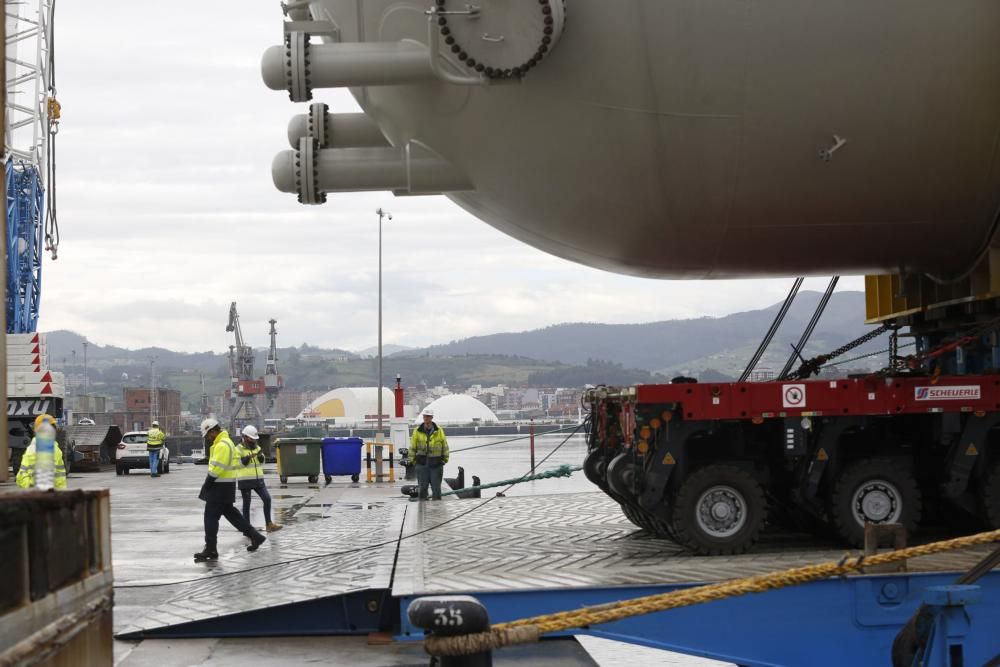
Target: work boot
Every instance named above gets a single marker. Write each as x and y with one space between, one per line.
256 539
208 553
274 527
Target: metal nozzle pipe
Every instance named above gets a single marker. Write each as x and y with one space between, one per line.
346 64
412 169
343 130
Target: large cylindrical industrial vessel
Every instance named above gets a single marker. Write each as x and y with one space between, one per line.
674 138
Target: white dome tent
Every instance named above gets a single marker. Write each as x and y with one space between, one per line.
459 409
350 405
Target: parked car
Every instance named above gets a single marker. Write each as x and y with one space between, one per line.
132 453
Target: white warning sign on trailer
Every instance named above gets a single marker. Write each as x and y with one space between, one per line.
793 395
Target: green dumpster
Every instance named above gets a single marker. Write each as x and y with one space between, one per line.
299 457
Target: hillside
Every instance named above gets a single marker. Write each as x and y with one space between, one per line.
563 355
722 344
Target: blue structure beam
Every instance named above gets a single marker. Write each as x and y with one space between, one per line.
848 621
355 613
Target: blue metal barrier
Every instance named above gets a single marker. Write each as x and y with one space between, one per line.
845 621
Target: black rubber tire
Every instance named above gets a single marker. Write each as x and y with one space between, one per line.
118 471
865 470
355 478
989 498
683 508
313 479
284 479
636 518
125 470
328 478
166 468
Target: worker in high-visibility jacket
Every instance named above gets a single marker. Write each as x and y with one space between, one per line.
26 473
154 445
252 475
429 450
219 491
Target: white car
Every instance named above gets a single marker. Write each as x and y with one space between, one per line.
132 453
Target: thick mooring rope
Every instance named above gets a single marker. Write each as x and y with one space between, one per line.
530 629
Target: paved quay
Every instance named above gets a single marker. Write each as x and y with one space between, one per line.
157 526
366 545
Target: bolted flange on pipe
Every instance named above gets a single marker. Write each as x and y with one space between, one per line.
413 169
335 130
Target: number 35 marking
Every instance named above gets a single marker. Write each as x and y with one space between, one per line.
447 617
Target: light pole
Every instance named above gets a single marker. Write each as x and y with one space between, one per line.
381 214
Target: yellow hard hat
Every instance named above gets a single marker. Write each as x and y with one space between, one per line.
41 419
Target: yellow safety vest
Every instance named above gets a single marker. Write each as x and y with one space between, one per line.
155 437
255 468
434 444
26 473
223 461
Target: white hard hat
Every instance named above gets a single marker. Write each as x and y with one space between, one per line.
156 423
427 413
207 425
250 431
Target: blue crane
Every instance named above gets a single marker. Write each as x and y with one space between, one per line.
29 169
25 232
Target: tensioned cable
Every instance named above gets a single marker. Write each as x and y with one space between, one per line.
378 545
520 437
807 333
778 319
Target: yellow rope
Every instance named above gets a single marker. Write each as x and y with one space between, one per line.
530 629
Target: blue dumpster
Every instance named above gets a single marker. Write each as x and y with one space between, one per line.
342 456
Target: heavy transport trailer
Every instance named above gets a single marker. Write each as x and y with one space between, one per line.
703 463
21 413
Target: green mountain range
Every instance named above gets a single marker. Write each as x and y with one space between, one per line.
564 355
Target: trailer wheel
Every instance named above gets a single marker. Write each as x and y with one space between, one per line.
636 518
991 497
718 510
876 490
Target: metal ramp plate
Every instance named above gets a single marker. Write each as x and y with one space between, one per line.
581 540
285 586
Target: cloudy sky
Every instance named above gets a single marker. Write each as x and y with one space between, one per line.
168 212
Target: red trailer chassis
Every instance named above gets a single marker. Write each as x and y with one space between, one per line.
709 464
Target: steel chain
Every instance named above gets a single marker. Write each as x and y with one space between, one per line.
810 367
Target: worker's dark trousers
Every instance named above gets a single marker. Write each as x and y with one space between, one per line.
431 475
214 510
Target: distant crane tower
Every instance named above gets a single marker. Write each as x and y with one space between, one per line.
245 387
272 381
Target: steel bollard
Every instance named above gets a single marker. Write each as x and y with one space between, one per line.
449 616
